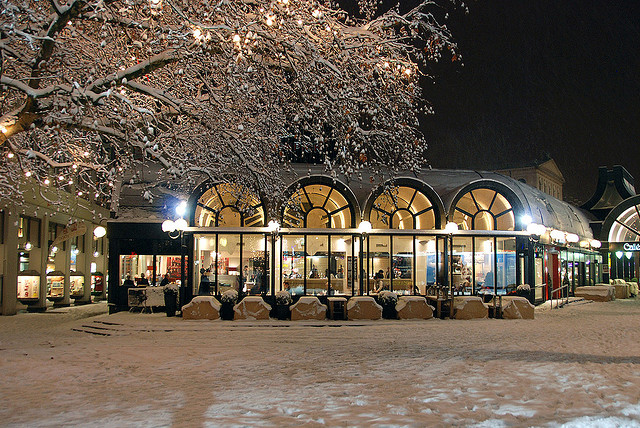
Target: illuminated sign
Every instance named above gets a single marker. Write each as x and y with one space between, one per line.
624 246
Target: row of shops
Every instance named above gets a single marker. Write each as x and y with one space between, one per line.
467 232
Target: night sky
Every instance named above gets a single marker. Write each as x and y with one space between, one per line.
558 77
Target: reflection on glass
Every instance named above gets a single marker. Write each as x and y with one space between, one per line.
425 263
317 265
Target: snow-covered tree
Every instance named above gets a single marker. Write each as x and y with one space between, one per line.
89 90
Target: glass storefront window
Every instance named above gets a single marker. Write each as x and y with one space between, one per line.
293 267
506 264
462 264
426 273
484 269
229 264
228 205
340 259
317 265
379 267
403 269
318 206
254 270
402 207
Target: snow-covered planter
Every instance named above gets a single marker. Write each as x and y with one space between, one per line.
228 300
388 301
283 300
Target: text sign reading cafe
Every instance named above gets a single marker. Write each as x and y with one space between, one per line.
624 246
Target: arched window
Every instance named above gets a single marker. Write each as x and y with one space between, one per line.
318 206
402 207
626 227
484 209
229 205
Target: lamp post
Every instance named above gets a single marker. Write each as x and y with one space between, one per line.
175 230
450 228
274 228
364 228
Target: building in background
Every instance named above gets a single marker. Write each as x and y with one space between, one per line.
542 174
49 251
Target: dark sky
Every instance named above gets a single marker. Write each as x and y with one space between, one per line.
561 77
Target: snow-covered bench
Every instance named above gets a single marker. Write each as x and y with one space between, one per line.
516 307
598 292
413 307
308 308
251 308
201 308
469 307
363 308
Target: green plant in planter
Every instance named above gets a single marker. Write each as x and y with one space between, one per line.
283 300
227 301
388 300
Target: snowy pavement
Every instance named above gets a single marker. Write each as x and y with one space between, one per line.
576 366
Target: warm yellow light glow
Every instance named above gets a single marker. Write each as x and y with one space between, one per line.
317 13
46 182
407 72
197 34
269 21
10 155
236 38
3 129
28 173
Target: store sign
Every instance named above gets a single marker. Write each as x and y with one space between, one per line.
624 246
71 231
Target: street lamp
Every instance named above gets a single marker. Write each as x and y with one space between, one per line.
175 229
451 228
364 228
274 228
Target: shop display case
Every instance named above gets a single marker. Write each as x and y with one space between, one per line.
28 286
55 286
97 283
76 285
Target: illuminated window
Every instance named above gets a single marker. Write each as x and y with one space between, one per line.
228 205
402 207
626 228
318 206
484 209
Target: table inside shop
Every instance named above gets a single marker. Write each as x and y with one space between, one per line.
146 297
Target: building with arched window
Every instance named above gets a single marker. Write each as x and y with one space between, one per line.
467 231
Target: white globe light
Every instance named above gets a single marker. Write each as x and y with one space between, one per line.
364 227
168 226
526 219
181 224
595 243
99 232
451 227
572 237
181 209
273 226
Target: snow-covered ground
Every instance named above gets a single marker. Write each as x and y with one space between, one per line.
575 366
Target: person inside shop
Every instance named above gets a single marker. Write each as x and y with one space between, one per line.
379 281
142 281
205 286
165 280
128 282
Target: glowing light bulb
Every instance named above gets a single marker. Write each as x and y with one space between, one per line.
10 155
236 38
46 182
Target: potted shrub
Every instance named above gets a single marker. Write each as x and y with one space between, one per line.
283 300
388 300
227 302
523 290
171 299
